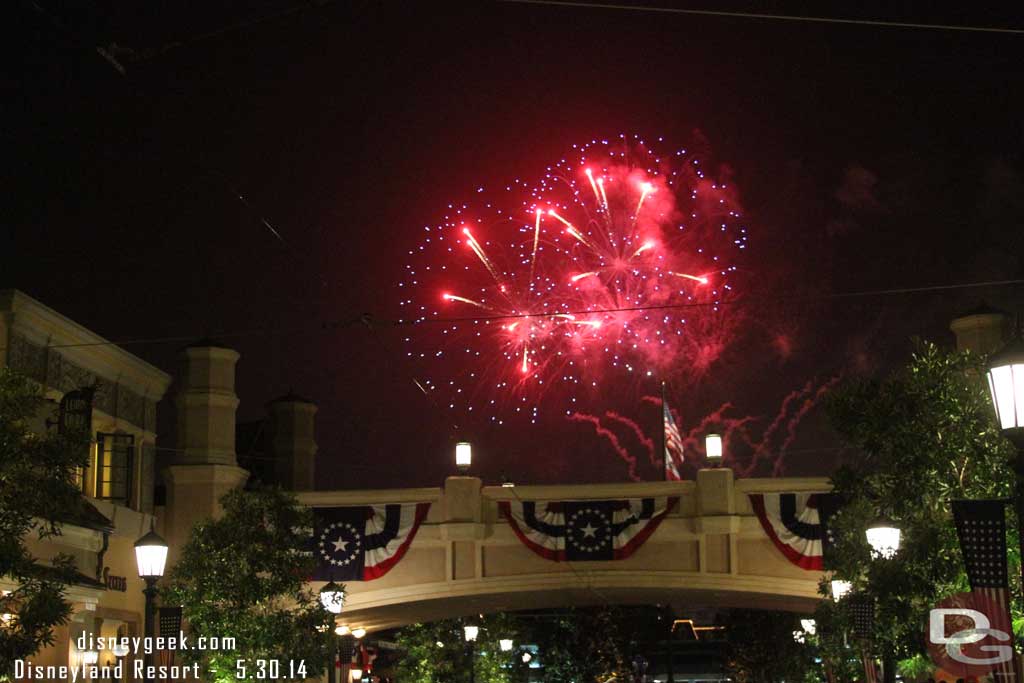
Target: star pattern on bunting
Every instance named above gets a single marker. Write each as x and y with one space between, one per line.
588 529
346 541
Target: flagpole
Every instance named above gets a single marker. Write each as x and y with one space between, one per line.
664 439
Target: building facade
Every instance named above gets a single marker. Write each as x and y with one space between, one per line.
118 482
131 484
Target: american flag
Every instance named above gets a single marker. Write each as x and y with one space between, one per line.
673 441
981 527
862 609
870 667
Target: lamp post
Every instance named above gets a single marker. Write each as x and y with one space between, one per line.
352 638
346 647
463 456
713 448
150 556
526 659
332 598
839 589
471 632
884 538
670 654
1006 383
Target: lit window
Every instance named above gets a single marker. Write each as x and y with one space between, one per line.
114 458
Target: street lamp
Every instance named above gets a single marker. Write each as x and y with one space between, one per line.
505 644
1006 383
463 456
883 537
840 588
332 597
471 631
713 447
150 556
809 626
357 674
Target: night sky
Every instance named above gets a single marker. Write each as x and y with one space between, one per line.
865 158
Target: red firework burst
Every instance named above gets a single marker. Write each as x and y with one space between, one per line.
613 266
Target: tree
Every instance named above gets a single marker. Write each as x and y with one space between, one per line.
927 436
585 645
243 576
437 652
761 647
582 645
38 490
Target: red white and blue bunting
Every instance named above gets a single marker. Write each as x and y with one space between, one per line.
795 524
586 530
364 542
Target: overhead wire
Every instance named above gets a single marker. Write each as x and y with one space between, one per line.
373 323
883 23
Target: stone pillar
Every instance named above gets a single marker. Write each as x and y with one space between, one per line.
715 492
292 441
981 330
204 467
462 531
717 523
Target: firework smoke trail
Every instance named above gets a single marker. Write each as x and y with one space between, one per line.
613 439
542 294
738 430
731 428
768 448
763 447
638 432
798 416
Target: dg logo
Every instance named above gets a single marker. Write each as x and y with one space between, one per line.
969 634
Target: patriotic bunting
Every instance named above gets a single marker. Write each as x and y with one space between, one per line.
363 543
586 530
796 524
